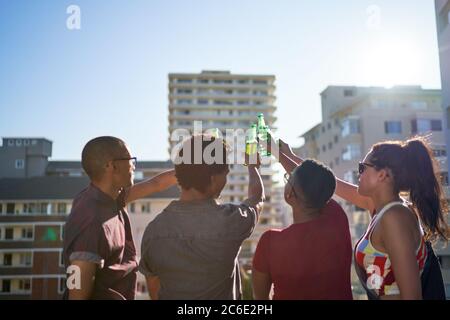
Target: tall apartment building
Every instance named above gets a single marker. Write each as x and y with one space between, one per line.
35 201
224 100
443 28
354 118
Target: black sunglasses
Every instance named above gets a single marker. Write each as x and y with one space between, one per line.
363 165
133 160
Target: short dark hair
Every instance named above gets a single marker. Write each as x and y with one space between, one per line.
98 151
315 181
197 175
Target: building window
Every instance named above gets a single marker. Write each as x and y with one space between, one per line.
61 285
25 259
43 208
6 285
444 178
329 126
9 233
62 207
184 80
381 104
350 126
24 285
27 233
351 176
438 153
184 91
61 259
330 145
10 143
202 101
425 125
7 259
20 164
223 103
323 129
184 101
349 93
324 148
26 142
436 125
19 143
336 139
259 81
393 127
419 105
351 152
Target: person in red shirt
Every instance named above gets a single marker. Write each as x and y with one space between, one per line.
310 259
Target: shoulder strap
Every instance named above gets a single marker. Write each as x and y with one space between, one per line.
387 207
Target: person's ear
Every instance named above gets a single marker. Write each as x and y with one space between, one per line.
383 174
109 166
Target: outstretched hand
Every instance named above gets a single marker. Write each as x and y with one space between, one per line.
285 148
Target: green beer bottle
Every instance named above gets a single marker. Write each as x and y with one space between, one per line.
251 143
263 135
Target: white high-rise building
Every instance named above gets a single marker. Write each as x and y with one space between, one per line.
443 29
222 100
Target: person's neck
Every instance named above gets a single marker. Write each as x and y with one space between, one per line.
381 199
302 215
193 195
107 188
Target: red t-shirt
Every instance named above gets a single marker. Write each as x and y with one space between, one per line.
309 260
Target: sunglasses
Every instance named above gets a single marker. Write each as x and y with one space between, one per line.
362 166
133 160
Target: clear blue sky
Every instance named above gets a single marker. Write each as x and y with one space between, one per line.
110 77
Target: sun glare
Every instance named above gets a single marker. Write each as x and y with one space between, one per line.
389 63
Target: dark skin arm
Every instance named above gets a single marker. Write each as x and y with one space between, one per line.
344 189
262 284
87 280
155 184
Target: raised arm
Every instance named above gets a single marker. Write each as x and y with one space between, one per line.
256 194
345 190
157 183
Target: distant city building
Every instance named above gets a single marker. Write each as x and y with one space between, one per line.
443 30
35 199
